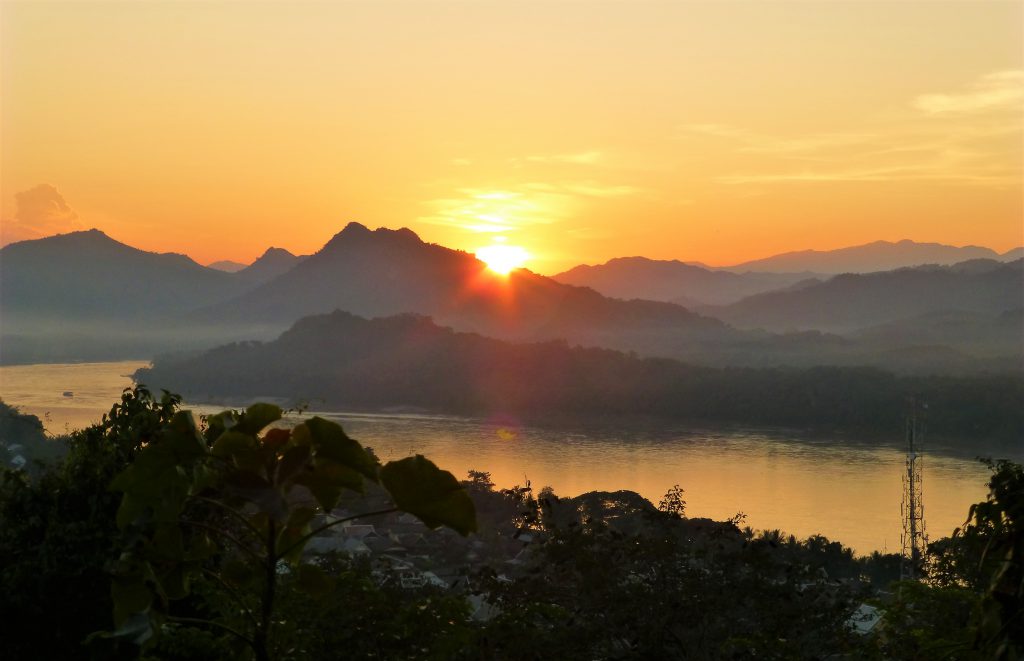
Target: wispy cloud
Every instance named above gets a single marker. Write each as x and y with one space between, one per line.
719 130
807 144
592 157
803 146
1001 90
959 145
931 161
492 211
507 209
586 189
908 173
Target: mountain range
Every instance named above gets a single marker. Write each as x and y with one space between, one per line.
875 256
857 300
86 296
227 266
694 284
676 282
385 272
344 362
89 277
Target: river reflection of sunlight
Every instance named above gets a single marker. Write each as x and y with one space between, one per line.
92 388
846 489
849 493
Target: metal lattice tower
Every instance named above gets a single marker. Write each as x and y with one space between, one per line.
913 537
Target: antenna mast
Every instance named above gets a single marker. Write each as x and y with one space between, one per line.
914 540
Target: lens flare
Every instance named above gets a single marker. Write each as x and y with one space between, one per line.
502 259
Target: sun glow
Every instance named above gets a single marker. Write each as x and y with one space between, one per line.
502 259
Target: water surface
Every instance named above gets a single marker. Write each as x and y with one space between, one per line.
846 489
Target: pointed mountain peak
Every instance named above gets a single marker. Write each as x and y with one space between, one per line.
227 266
275 253
92 234
272 263
82 239
357 234
353 229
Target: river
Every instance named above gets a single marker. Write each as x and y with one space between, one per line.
848 490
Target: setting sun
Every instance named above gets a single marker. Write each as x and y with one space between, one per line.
502 259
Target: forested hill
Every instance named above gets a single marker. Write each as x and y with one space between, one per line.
340 360
69 279
854 301
875 256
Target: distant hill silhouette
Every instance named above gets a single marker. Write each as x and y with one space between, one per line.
88 276
342 361
386 272
272 263
674 281
852 301
875 256
982 334
84 295
227 266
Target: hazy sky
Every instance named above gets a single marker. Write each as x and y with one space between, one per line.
718 131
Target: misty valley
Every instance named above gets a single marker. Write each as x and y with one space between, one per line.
720 418
447 330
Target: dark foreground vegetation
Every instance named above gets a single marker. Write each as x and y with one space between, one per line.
344 361
157 538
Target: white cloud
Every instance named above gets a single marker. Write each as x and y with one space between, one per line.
40 211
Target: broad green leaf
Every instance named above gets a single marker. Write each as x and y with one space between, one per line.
167 545
124 480
256 417
242 448
331 442
276 438
314 581
301 435
204 477
236 572
300 517
219 423
259 492
182 438
326 492
130 510
232 442
429 493
202 547
291 464
294 530
137 628
175 582
182 422
130 595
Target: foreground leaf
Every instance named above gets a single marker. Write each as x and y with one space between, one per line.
433 495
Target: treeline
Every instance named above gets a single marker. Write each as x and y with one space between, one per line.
23 441
344 361
604 575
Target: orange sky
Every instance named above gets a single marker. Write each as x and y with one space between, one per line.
718 131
